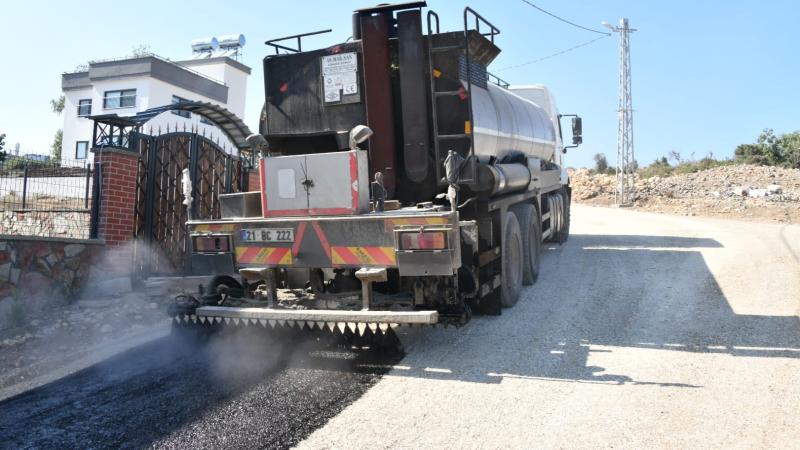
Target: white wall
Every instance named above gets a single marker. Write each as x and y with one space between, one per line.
237 90
151 93
235 79
80 129
75 128
161 94
215 70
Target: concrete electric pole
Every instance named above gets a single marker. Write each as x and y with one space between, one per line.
625 159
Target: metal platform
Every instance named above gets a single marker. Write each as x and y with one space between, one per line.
320 315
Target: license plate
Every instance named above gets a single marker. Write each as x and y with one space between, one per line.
268 235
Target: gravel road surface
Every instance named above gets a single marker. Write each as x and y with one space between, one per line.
644 330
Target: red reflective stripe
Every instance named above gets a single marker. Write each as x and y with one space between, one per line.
378 255
277 254
322 239
249 254
347 255
301 229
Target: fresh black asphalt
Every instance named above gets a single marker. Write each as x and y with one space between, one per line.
236 390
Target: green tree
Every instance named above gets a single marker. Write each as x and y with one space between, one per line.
141 50
660 162
658 168
766 151
600 163
789 144
57 105
55 147
3 153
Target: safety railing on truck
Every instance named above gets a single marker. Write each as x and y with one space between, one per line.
487 30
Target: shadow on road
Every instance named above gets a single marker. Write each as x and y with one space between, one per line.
595 293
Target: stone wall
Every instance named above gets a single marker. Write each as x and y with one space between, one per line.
33 267
73 225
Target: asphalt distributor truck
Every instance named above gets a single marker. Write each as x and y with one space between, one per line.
401 185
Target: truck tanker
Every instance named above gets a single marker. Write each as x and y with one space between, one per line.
401 184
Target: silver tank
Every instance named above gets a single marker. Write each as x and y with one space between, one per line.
505 122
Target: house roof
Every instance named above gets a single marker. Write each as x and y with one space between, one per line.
151 66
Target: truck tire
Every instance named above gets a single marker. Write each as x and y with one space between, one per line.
235 288
563 232
531 228
511 271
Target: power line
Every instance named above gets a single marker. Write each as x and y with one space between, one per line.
561 52
565 20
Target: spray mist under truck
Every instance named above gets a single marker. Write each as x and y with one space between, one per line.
401 185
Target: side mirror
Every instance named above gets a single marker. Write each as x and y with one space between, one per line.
577 131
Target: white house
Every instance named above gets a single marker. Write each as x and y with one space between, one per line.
131 85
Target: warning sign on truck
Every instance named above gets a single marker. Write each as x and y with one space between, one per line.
339 63
339 77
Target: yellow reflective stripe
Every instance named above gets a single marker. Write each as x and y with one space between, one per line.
206 227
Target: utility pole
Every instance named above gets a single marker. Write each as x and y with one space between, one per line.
625 159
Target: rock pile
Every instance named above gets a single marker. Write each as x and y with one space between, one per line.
740 190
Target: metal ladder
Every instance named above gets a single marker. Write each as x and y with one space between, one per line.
439 138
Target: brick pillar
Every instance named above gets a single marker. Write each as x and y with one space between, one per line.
117 201
253 180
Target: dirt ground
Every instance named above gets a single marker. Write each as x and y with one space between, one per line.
733 192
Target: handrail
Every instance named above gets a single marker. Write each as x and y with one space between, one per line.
436 16
493 30
299 37
494 79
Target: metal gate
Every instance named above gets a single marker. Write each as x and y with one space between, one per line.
161 246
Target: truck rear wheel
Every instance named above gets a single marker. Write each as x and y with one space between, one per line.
563 233
511 272
531 241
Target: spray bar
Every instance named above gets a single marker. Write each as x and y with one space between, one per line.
321 315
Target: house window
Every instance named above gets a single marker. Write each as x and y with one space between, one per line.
175 100
81 147
85 107
119 99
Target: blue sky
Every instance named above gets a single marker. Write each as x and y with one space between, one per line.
707 76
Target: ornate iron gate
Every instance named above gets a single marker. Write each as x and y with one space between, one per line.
161 246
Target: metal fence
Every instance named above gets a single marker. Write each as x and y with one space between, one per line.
45 198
